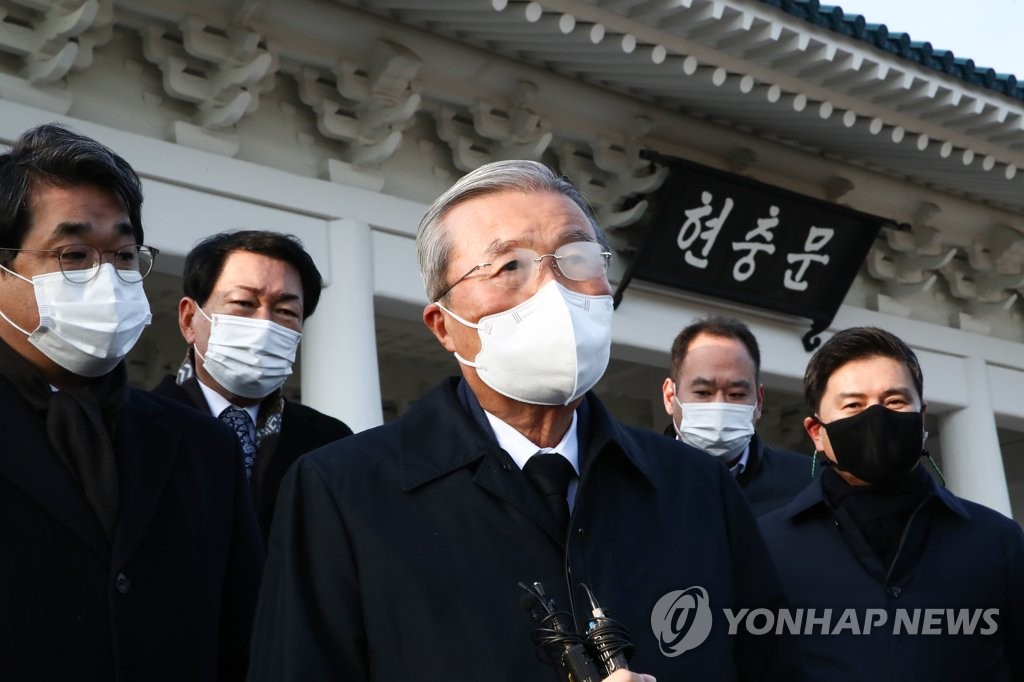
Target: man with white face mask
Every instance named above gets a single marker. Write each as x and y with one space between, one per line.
714 397
398 553
247 296
116 563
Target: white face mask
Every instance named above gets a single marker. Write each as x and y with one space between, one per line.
86 328
548 350
248 357
721 429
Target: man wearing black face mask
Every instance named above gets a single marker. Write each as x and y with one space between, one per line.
917 583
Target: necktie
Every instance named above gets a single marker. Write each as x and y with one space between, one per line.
550 473
241 423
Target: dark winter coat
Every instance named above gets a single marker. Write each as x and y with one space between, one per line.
396 554
171 597
958 558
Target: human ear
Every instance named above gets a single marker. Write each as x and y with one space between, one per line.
759 405
814 429
668 392
435 320
186 316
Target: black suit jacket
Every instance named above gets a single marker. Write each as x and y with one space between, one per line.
302 429
170 597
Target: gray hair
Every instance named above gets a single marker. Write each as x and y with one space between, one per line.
434 244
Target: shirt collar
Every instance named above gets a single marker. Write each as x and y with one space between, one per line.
741 464
219 403
520 448
463 434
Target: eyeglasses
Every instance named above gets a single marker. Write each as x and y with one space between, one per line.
79 263
578 261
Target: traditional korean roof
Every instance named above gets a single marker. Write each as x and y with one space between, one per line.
788 71
902 45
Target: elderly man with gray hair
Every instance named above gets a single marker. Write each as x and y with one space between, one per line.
406 551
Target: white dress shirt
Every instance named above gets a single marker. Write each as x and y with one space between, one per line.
219 403
521 448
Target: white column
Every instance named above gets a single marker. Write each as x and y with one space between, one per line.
339 344
971 458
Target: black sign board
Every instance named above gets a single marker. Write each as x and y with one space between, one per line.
738 239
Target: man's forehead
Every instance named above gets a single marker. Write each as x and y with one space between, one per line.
707 353
257 272
83 212
728 379
877 374
530 240
72 198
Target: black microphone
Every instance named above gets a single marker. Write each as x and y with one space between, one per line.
609 640
556 643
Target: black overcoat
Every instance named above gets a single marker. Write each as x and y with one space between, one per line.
396 554
773 477
171 597
956 561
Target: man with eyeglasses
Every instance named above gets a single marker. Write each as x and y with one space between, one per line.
128 546
399 553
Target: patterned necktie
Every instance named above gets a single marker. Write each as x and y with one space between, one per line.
241 423
550 473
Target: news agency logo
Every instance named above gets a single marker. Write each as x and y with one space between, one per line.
681 620
864 622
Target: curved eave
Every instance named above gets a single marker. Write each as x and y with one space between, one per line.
901 44
747 64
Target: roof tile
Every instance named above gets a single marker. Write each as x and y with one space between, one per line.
900 44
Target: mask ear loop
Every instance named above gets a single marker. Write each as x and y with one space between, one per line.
4 316
814 455
936 467
675 399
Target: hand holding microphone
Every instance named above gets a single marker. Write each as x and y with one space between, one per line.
602 651
557 640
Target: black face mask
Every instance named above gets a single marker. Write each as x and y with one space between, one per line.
877 445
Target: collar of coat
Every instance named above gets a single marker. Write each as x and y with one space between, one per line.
445 425
813 496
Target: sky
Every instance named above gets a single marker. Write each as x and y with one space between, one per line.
986 31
